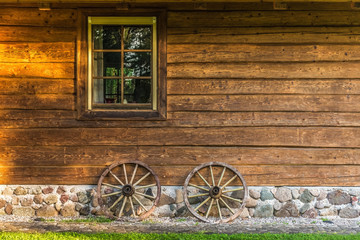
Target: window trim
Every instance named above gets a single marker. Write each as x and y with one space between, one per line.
84 101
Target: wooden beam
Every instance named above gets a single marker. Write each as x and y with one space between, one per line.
158 1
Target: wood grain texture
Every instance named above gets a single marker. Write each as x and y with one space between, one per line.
290 103
262 18
13 156
20 86
43 101
213 53
37 70
328 175
36 34
263 86
264 35
264 70
325 137
37 52
35 17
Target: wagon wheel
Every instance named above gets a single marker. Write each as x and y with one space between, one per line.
215 192
129 189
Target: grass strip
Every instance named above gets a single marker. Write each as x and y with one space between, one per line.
171 236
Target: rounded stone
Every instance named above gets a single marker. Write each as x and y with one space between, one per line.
288 210
20 191
322 195
69 210
332 211
46 211
47 190
15 200
36 190
339 197
2 203
314 192
165 200
250 203
306 196
58 206
51 199
310 213
38 199
295 193
349 212
254 193
244 213
265 194
74 198
179 196
277 205
25 202
60 190
264 211
7 191
83 198
23 212
85 211
305 207
64 198
283 194
8 209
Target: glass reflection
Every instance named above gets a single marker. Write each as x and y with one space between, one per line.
137 64
107 37
107 64
137 91
137 37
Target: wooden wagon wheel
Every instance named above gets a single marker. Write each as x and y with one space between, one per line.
129 189
215 192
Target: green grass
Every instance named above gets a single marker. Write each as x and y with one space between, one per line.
171 236
89 220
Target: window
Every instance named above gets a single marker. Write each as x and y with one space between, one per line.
122 72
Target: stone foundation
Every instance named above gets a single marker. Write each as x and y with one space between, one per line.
75 201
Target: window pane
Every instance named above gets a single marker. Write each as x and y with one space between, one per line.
107 64
107 91
137 90
107 37
137 64
138 37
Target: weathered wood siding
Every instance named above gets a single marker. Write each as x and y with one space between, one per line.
274 93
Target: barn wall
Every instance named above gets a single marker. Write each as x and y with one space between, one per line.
274 93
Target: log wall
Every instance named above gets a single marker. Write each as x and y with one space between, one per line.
274 93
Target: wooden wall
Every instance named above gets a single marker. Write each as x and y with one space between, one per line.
274 93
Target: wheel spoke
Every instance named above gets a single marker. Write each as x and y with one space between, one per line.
233 190
132 206
133 175
139 202
117 179
205 201
228 182
122 207
209 209
234 199
199 195
145 195
196 186
141 179
116 202
110 185
212 175
203 179
110 194
147 186
219 209
222 175
126 179
226 205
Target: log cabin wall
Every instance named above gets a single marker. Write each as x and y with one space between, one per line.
274 93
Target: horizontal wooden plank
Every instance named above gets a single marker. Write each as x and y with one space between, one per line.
257 35
162 1
12 86
262 18
328 175
36 34
264 70
328 137
35 17
290 103
67 119
207 53
167 155
260 86
38 70
37 52
43 101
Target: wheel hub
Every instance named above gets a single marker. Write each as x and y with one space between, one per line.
215 192
128 190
